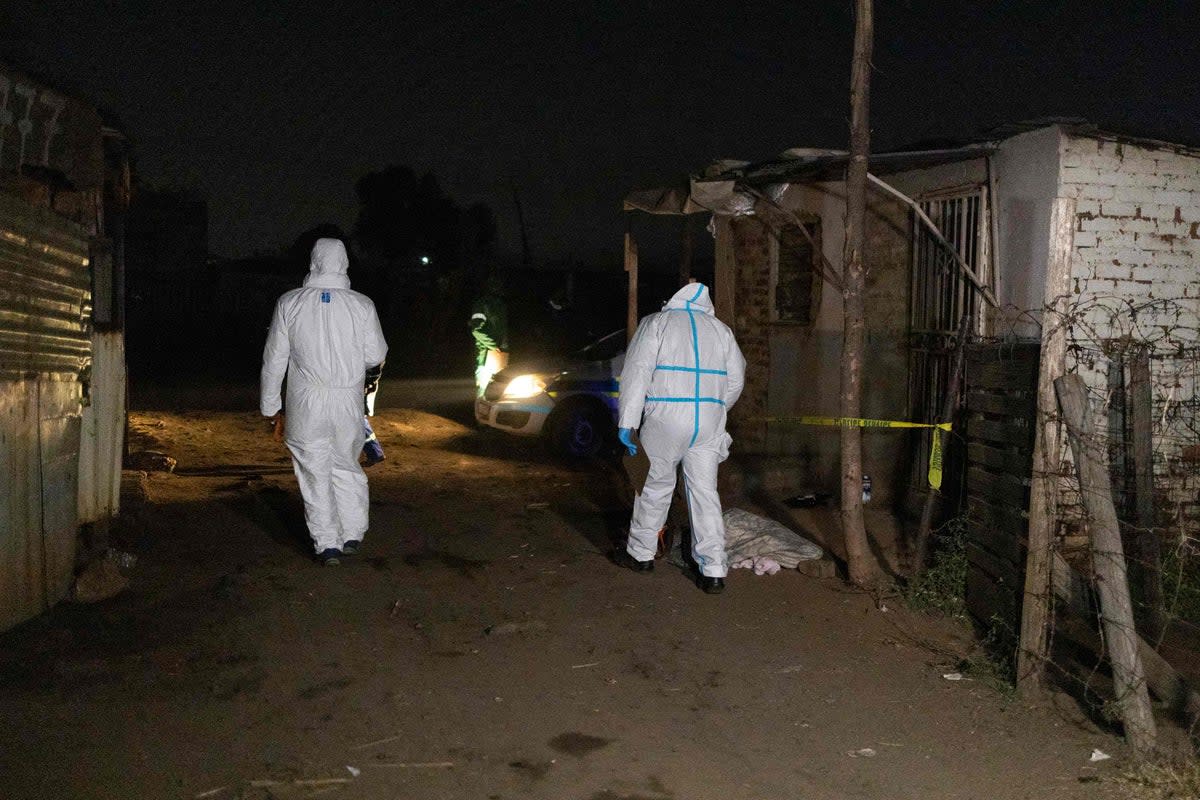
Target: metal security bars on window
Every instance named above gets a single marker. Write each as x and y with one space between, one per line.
940 295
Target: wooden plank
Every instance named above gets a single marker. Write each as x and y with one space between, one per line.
1021 374
1007 459
1021 406
1006 573
1024 359
1033 650
987 599
1118 440
999 530
1147 558
1006 432
999 488
1002 542
1001 375
994 515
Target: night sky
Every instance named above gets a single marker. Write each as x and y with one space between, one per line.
271 111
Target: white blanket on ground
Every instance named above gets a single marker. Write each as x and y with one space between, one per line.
758 543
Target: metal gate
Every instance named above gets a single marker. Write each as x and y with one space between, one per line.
940 295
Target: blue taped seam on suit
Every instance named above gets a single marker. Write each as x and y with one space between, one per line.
673 368
696 354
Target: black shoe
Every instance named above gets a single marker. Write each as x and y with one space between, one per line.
711 585
350 548
622 559
330 557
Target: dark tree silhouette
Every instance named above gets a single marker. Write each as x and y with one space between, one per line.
403 219
422 253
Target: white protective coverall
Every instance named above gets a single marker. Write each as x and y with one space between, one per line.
324 336
683 370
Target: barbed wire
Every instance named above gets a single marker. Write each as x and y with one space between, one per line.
1106 335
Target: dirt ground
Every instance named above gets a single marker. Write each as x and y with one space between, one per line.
483 646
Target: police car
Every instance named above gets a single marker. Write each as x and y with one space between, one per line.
572 402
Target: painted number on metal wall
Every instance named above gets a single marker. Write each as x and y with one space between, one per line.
24 99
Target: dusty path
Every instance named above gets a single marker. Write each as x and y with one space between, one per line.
483 647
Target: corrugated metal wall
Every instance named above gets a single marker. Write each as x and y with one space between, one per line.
45 292
100 447
45 345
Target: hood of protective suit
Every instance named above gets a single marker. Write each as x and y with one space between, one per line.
328 265
692 297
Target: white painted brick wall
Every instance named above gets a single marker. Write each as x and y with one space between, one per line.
1137 241
1093 191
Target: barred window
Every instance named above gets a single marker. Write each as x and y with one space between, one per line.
795 285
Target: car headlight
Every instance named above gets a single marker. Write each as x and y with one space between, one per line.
525 386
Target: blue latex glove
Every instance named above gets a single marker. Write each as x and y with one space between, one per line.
626 437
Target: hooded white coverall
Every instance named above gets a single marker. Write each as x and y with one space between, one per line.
683 370
324 336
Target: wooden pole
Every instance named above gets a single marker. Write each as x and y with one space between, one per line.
949 409
1043 490
858 556
685 251
1074 593
631 267
1147 558
993 203
1117 416
724 272
1108 562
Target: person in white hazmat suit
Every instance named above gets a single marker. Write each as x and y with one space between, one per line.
324 337
683 371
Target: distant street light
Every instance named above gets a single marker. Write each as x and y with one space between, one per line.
425 260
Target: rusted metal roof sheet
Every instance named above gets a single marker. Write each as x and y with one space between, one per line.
45 292
800 165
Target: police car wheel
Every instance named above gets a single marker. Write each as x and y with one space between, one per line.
579 432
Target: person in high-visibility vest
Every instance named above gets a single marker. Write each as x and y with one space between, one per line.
489 328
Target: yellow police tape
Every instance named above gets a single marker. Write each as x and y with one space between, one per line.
935 452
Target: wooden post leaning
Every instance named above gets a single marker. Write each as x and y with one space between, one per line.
1108 562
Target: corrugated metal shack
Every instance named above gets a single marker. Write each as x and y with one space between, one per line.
64 184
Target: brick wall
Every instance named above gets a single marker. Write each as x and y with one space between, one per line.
794 369
752 327
1135 280
1138 232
